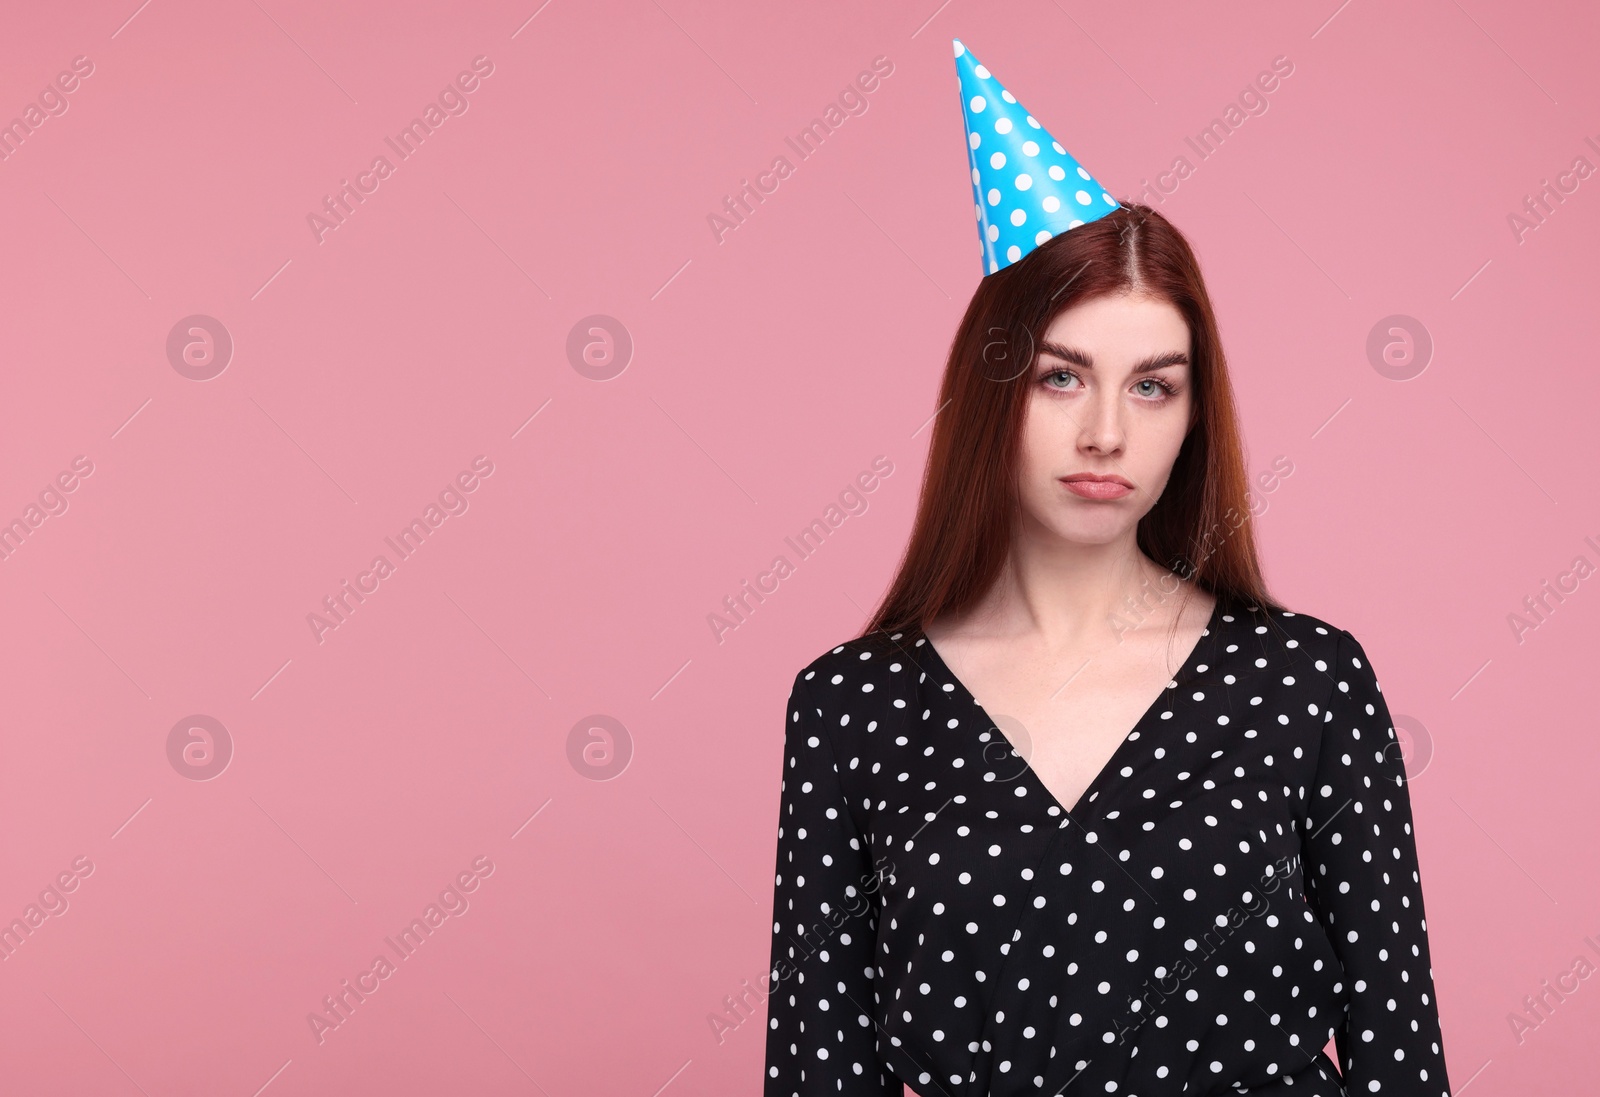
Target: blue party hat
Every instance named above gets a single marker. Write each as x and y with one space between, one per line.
1025 192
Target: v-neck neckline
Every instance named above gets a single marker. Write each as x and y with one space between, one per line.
1077 811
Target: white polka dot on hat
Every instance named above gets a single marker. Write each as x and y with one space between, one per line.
1027 188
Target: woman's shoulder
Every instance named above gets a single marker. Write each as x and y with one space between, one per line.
1298 632
863 666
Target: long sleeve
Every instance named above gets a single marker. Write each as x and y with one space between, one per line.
820 1036
1362 882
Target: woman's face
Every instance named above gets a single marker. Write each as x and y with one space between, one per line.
1110 396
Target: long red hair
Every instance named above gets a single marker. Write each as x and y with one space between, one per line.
1200 527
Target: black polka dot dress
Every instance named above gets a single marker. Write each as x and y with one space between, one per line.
1235 887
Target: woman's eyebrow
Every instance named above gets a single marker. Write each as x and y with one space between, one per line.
1148 365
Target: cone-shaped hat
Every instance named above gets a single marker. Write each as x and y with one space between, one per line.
1026 187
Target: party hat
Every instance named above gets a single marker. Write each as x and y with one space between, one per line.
1026 187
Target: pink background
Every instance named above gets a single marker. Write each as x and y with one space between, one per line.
369 369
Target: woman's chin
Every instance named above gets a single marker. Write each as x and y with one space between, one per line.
1106 530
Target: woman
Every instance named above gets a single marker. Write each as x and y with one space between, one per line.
1171 851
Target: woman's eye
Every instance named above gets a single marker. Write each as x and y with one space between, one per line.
1061 380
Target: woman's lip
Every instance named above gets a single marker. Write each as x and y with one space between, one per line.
1097 489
